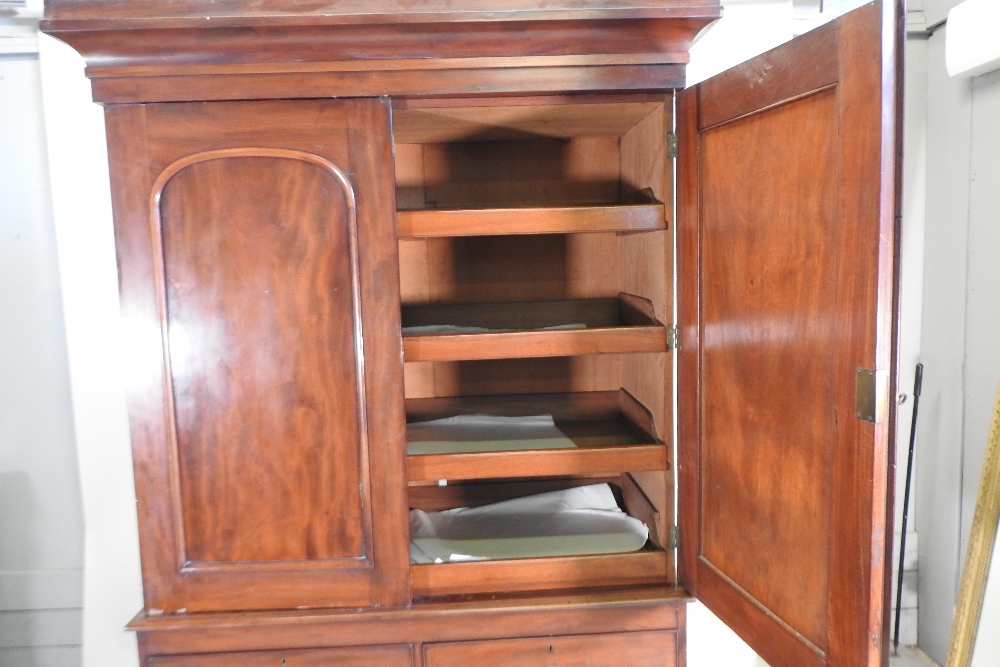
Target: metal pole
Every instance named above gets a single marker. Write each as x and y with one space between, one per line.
918 379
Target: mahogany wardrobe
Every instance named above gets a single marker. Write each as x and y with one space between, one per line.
336 218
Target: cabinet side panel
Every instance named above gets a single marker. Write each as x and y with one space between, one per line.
261 328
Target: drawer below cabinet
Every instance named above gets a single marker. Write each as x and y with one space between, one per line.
354 656
635 649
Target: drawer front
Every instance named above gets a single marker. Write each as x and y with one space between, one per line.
353 656
635 649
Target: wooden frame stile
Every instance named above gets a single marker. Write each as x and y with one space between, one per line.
851 80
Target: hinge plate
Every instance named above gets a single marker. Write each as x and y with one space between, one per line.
865 400
673 337
671 144
674 538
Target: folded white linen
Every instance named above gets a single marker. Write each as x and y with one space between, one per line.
580 521
484 433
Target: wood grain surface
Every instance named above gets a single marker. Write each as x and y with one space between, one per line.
157 12
535 220
539 574
640 649
254 247
612 326
255 481
387 656
649 608
787 268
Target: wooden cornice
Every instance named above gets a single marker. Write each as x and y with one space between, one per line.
147 50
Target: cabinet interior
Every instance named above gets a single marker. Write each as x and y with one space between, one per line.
516 217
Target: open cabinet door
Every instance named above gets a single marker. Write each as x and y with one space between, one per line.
787 255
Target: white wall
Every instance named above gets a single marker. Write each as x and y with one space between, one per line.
82 207
961 318
41 524
910 308
982 351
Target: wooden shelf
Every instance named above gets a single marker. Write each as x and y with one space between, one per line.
626 217
612 430
623 324
530 574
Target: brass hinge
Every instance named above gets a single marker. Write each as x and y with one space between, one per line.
866 404
674 539
673 337
671 144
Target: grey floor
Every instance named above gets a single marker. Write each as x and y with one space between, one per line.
910 657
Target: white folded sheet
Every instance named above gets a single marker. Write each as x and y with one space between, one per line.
581 521
484 433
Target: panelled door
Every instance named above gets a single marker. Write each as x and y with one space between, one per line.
787 244
258 269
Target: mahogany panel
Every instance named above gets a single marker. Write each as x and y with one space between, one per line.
254 248
538 574
770 355
638 649
384 656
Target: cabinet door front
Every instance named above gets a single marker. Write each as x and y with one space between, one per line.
787 251
268 426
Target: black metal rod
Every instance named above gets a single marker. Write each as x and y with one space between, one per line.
918 380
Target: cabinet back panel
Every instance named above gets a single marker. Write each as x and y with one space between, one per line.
436 121
582 170
510 268
258 269
513 376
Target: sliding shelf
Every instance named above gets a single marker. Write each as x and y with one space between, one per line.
610 432
625 217
649 566
529 329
